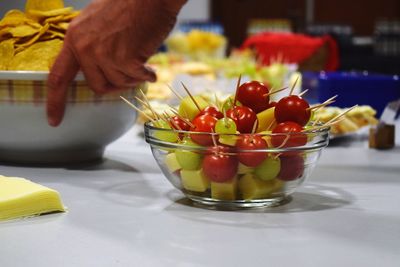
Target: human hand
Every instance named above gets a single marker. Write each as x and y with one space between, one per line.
110 42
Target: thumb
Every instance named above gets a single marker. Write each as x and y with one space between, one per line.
61 75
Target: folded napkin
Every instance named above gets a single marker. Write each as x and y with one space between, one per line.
21 198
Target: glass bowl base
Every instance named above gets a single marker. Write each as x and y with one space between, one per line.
239 204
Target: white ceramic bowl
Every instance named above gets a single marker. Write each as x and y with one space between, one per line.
91 122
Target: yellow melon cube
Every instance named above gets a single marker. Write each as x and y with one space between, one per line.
224 191
253 188
266 118
194 180
188 109
171 162
243 169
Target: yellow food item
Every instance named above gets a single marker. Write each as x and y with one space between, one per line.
34 37
224 191
6 53
266 119
38 56
12 18
194 180
23 31
172 163
43 5
229 140
253 188
39 14
22 198
266 135
243 169
197 43
188 109
359 117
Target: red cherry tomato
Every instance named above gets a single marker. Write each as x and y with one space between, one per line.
251 142
244 117
218 166
254 95
213 111
204 124
292 167
292 108
294 131
178 124
272 104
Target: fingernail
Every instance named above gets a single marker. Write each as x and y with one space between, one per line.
52 122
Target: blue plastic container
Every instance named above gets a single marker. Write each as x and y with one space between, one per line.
353 88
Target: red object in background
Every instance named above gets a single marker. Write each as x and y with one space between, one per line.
295 48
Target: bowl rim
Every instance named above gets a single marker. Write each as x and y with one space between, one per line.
22 75
308 147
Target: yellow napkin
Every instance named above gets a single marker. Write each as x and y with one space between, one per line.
21 198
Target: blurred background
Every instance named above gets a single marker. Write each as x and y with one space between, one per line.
349 48
367 32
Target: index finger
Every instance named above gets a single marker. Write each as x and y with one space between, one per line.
61 75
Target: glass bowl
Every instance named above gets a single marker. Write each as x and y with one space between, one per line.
223 175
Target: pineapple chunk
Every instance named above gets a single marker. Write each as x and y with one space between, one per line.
254 188
266 137
265 119
194 180
188 109
243 169
229 140
224 191
172 163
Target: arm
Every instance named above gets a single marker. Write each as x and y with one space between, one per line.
110 42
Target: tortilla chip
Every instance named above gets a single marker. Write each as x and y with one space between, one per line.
57 34
22 45
50 13
23 31
13 18
43 5
57 28
63 25
6 53
73 15
38 57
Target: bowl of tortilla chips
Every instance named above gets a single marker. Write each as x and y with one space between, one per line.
30 41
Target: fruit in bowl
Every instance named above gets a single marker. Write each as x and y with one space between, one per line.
246 158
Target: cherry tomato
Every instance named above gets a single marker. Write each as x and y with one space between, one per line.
178 124
218 166
292 167
204 124
244 117
292 108
251 142
254 95
213 111
296 137
272 104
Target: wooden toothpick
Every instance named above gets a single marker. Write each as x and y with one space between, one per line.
190 95
294 85
276 91
137 109
303 93
237 89
175 92
182 118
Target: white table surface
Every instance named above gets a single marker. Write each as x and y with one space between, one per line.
123 212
